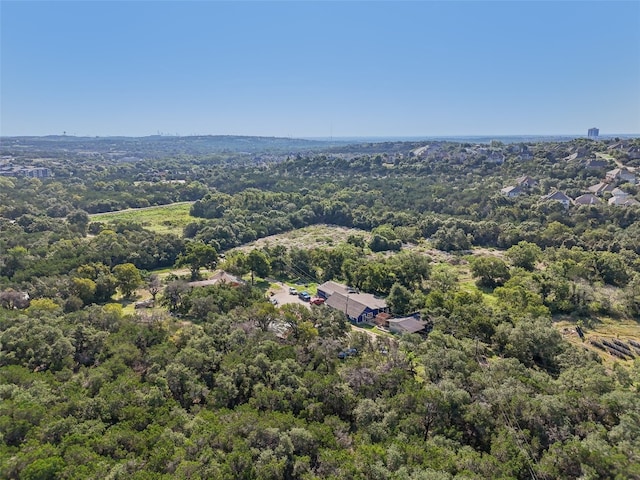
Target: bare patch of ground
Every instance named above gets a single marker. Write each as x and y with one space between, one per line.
308 237
605 329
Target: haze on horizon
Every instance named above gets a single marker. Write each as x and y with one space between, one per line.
319 69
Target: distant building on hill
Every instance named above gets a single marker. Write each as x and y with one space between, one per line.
587 199
557 196
593 133
512 191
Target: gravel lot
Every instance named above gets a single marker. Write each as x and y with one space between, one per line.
281 294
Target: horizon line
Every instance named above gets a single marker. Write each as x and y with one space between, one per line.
320 137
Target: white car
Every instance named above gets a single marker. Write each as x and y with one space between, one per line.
293 291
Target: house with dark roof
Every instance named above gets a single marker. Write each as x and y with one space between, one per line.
596 164
358 307
587 199
633 153
600 188
329 288
558 196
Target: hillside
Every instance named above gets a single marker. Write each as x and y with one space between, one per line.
220 381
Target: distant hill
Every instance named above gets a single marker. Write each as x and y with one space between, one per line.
160 146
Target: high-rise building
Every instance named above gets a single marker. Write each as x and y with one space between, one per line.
593 132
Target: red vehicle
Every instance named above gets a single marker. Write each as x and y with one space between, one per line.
317 301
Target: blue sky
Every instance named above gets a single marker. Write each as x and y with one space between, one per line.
315 69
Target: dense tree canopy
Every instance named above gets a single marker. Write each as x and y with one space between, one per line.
217 382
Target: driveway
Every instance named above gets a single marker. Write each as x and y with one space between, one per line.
282 295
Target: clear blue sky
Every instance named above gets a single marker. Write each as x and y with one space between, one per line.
316 69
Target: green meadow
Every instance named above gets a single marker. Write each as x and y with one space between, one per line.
162 219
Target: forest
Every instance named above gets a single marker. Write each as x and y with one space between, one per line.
530 368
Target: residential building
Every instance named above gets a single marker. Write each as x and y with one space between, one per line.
621 175
617 192
527 182
512 191
329 288
623 201
596 164
587 199
358 307
10 170
600 188
411 324
558 196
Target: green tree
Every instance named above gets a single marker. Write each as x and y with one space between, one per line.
106 283
258 264
524 255
451 239
15 259
174 294
44 469
490 271
399 299
84 288
128 278
36 343
79 221
196 256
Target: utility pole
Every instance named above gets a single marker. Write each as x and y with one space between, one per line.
346 308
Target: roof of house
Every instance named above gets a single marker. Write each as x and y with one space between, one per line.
587 199
407 324
616 192
354 304
596 163
601 187
526 179
331 287
619 172
623 201
513 190
558 196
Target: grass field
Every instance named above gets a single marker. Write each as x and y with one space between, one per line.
162 219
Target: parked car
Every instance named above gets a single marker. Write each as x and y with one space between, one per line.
293 291
349 352
304 296
274 301
317 301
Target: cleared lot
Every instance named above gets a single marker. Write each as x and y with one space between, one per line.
282 295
